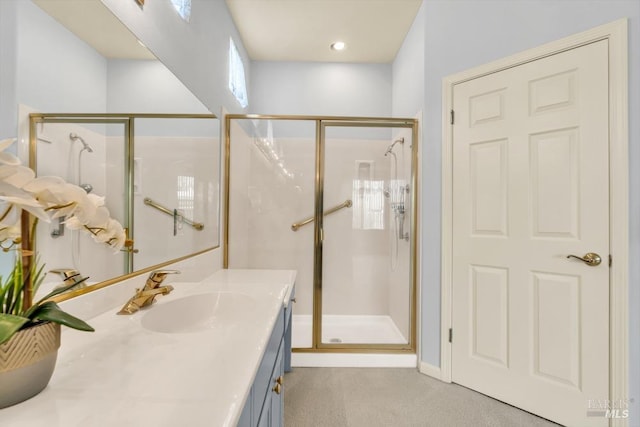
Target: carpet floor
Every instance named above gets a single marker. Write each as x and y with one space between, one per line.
391 397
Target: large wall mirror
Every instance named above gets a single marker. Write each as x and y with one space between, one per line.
136 136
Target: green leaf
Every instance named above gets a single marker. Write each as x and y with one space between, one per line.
60 290
10 324
50 311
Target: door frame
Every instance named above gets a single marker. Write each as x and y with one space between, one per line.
616 35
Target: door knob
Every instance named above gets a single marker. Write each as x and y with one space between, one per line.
591 259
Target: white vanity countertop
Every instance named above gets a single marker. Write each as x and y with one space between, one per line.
126 375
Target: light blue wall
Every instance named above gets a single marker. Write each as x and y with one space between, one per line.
196 52
142 86
316 88
466 33
8 58
44 66
407 97
147 86
56 71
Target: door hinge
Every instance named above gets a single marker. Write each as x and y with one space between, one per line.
452 117
450 334
610 260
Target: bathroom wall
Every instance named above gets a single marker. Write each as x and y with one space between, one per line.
74 249
270 190
36 72
147 86
56 71
467 33
196 52
315 88
177 173
8 59
407 90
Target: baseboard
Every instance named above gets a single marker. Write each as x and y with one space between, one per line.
430 370
353 360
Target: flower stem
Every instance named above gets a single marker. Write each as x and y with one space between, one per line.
26 260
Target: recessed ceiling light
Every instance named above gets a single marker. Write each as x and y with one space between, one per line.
338 46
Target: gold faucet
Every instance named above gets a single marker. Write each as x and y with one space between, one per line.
70 277
144 297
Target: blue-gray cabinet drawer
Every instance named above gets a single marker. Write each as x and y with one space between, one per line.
261 385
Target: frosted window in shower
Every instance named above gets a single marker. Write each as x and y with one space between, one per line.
237 81
186 195
368 204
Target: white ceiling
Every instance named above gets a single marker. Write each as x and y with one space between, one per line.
303 30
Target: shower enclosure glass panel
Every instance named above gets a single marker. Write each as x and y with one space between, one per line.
366 282
271 188
175 188
91 155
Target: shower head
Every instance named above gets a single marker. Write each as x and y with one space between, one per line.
390 149
76 137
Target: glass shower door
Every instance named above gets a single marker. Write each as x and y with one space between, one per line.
366 284
271 197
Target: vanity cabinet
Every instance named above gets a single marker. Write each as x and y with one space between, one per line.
287 330
265 405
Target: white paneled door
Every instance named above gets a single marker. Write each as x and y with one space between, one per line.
530 187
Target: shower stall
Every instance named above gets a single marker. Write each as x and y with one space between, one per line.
158 174
334 199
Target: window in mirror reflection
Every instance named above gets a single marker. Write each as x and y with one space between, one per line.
183 7
186 195
237 83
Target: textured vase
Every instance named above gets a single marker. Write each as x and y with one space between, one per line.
27 361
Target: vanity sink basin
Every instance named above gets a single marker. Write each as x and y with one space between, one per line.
198 312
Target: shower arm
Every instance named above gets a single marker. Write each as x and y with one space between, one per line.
346 204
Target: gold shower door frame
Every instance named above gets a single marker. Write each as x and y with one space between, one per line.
127 120
321 123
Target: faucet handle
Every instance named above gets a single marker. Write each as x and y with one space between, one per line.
65 273
159 275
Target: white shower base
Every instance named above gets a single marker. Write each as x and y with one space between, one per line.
349 330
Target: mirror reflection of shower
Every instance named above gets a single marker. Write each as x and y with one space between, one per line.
396 193
75 235
85 147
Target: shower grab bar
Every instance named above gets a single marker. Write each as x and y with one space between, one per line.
346 204
149 202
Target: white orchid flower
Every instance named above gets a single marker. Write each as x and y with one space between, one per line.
102 228
13 197
8 158
51 197
96 200
116 235
16 175
61 198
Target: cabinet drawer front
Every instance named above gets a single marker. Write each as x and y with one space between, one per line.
263 377
272 411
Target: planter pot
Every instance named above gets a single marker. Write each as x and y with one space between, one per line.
27 361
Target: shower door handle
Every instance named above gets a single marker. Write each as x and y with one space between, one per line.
346 204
